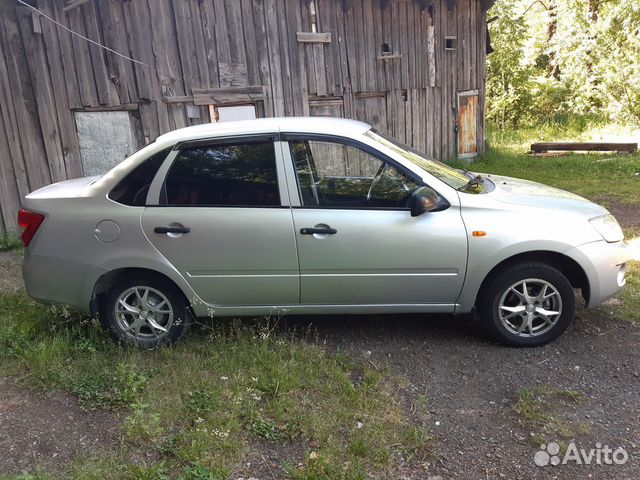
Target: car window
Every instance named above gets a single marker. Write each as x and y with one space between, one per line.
239 174
132 189
334 174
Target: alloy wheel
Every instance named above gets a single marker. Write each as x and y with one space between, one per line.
144 313
530 307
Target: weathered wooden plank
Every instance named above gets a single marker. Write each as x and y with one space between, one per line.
44 101
380 69
542 147
411 45
153 113
262 52
271 24
326 24
222 35
201 67
296 59
71 4
310 37
235 31
249 90
66 121
370 48
106 90
82 58
208 25
431 56
120 70
15 161
233 74
309 56
9 195
129 107
283 42
166 52
24 121
250 42
66 48
341 51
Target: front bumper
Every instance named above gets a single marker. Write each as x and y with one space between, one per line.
605 266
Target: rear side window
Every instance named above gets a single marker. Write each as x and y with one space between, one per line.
239 174
132 189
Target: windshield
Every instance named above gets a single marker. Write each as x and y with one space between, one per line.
449 175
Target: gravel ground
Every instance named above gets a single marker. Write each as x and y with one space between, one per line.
462 386
49 431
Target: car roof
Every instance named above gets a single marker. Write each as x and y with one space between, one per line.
321 125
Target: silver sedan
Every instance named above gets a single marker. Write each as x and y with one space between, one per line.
313 216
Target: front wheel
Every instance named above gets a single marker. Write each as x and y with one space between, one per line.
146 311
528 305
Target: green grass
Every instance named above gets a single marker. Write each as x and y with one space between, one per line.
537 408
9 242
200 407
600 177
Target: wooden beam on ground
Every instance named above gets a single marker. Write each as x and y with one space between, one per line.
583 147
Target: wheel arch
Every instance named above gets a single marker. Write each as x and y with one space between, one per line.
566 265
107 280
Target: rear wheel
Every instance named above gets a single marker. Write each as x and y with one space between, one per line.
528 305
146 311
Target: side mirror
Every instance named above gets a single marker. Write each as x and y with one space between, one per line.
423 200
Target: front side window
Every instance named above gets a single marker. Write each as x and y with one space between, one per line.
332 174
238 174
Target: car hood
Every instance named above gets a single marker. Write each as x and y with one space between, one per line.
78 187
532 194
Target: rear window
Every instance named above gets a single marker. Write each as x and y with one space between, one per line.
132 189
238 174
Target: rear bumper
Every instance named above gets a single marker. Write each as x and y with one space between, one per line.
58 280
605 266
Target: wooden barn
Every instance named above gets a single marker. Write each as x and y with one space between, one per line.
84 83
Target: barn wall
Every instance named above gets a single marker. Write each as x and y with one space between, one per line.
200 52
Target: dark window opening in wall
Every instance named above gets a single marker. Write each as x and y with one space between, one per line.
450 43
313 16
385 49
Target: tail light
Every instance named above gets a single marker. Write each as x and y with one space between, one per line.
30 221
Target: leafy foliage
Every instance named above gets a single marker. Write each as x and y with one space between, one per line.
563 57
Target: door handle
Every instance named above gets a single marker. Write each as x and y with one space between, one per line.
171 230
321 231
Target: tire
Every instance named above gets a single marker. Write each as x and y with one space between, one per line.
165 320
520 320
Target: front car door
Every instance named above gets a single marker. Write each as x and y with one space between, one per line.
357 242
221 217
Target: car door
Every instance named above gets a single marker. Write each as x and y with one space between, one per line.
357 242
222 219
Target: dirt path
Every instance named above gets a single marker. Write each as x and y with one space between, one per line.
49 431
470 388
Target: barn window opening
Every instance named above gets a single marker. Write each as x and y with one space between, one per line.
313 16
385 49
231 113
450 43
105 138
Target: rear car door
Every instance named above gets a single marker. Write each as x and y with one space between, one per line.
357 242
222 219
